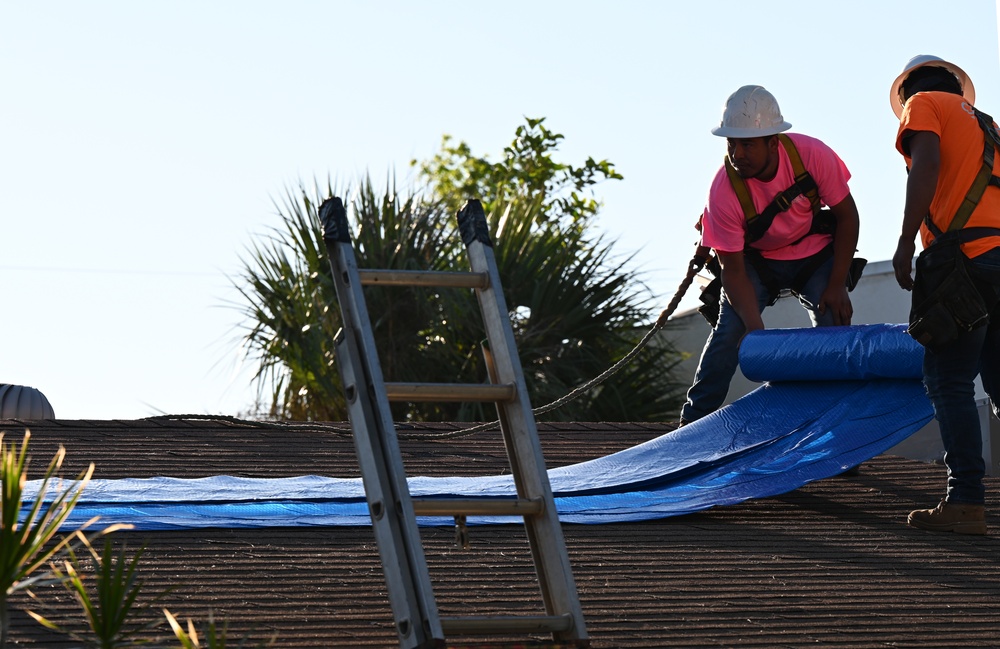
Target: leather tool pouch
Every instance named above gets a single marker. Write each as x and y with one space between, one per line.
711 295
946 300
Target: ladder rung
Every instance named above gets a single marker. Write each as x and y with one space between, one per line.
423 278
476 507
487 625
449 392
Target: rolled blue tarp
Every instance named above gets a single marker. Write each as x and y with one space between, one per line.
855 353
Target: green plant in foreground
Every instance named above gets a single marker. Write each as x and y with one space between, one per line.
109 605
25 546
214 637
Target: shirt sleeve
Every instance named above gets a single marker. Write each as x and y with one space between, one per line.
722 226
920 114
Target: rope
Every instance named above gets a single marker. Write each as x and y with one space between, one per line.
694 267
310 426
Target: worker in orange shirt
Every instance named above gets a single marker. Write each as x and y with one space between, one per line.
953 199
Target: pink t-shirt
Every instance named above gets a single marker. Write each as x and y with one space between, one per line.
723 222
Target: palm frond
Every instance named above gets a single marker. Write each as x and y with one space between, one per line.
574 308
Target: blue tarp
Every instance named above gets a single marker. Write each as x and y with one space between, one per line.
833 398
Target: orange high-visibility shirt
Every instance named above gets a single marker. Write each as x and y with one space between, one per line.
951 118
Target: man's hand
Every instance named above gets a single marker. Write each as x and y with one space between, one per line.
845 242
902 263
838 302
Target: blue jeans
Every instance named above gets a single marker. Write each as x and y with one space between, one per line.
720 357
949 375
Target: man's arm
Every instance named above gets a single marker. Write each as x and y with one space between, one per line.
845 244
921 185
739 290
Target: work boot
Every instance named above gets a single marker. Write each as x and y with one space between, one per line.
959 518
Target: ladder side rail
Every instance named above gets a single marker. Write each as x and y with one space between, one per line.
412 620
547 542
377 447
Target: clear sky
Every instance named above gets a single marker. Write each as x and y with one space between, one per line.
142 144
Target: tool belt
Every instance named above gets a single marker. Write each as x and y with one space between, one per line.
711 295
948 299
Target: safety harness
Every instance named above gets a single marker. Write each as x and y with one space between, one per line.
757 225
984 179
948 297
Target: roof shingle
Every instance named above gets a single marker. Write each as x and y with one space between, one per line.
832 563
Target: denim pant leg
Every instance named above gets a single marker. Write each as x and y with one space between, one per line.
812 291
987 267
949 375
989 368
720 357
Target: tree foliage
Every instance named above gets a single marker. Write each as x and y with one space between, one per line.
526 172
576 308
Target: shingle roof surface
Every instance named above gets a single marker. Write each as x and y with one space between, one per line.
832 564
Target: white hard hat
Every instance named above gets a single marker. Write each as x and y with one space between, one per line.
921 60
751 111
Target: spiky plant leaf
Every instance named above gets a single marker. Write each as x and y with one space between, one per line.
106 587
27 539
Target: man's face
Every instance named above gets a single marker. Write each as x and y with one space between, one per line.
754 157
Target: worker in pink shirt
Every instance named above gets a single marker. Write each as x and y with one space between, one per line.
780 217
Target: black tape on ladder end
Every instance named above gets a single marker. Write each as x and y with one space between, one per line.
472 223
334 218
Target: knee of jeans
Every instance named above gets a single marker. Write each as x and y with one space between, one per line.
730 326
821 319
952 390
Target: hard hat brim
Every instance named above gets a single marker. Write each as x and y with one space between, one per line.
731 131
968 89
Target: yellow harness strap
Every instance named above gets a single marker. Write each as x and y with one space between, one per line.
743 192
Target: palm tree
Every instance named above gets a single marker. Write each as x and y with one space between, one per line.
291 300
575 307
575 312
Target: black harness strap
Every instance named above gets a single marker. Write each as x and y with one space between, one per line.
813 262
811 266
753 257
758 226
965 235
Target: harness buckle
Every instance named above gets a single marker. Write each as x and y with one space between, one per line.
783 202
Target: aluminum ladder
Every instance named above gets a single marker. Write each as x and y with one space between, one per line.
393 511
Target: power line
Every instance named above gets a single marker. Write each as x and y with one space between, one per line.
110 271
